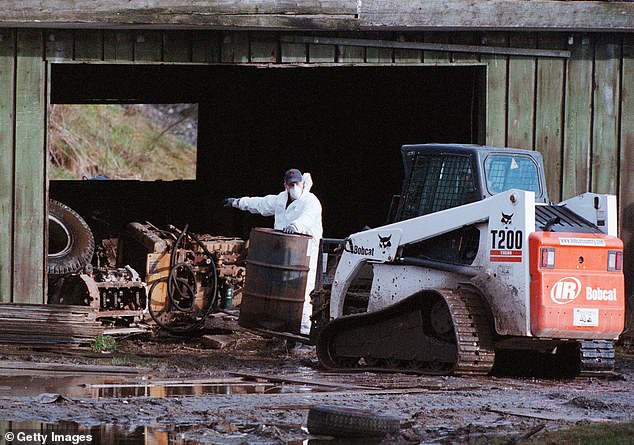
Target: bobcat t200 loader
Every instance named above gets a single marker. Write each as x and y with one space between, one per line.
477 263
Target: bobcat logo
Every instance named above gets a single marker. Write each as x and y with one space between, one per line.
506 219
384 241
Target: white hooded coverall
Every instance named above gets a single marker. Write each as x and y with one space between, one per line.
305 214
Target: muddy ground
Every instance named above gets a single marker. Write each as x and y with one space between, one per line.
431 409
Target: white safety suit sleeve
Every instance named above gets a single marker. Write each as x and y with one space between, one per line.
309 217
265 205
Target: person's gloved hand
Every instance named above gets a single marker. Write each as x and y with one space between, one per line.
290 229
231 202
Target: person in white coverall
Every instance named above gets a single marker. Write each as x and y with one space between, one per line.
296 210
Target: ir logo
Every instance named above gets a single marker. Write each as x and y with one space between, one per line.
565 290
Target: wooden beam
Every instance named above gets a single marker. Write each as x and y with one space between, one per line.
500 15
374 15
29 251
7 146
183 14
441 47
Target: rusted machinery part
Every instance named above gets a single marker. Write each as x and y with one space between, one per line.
436 332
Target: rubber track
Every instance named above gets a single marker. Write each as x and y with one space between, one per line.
475 354
597 357
473 333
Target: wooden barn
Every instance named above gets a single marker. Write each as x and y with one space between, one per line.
333 87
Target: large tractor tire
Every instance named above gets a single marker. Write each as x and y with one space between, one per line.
70 241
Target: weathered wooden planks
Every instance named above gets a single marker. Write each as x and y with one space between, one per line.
492 15
177 46
409 55
496 87
521 95
118 45
7 99
578 118
60 45
605 128
626 171
326 15
148 46
88 45
30 169
265 48
45 326
548 113
235 47
206 47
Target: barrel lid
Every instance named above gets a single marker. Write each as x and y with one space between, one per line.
270 231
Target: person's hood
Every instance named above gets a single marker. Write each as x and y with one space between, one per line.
308 183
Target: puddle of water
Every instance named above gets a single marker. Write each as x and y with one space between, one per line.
182 390
112 386
35 432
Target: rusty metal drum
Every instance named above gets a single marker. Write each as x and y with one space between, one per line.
275 284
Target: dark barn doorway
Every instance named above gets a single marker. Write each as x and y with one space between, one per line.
343 124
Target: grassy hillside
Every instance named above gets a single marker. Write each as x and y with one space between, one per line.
116 141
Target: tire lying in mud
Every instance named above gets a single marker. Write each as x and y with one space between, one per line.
70 241
348 422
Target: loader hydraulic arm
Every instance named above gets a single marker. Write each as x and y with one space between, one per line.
380 245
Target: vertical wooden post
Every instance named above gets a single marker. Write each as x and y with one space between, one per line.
30 170
626 185
7 145
606 113
496 105
521 95
576 157
548 113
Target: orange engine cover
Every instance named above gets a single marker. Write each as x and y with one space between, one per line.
578 296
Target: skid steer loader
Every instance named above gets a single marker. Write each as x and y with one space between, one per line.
476 263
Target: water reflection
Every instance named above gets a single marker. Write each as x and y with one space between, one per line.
112 386
33 432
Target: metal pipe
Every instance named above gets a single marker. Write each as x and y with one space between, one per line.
439 265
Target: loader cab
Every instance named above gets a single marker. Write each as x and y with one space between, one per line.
442 176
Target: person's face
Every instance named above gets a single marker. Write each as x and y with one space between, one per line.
293 185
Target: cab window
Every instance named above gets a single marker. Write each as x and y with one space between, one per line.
505 172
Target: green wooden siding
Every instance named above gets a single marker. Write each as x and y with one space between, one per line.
29 211
7 100
577 112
